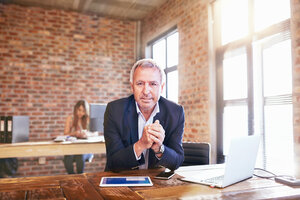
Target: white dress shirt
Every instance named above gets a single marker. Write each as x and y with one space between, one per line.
141 124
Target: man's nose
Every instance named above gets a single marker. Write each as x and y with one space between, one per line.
146 89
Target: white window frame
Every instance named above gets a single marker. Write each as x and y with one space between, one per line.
282 28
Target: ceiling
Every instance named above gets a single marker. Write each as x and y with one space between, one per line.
122 9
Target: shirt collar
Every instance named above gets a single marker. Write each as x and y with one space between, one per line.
154 112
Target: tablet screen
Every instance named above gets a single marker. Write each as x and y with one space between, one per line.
126 181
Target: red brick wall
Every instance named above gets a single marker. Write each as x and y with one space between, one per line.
49 59
191 18
54 165
295 29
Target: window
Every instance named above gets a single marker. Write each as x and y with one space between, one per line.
164 51
254 78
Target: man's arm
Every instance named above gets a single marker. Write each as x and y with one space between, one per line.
173 155
119 152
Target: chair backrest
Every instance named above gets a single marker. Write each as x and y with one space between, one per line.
196 153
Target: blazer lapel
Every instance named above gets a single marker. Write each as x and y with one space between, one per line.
132 122
159 117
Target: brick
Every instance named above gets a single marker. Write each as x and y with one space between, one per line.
192 55
51 62
98 48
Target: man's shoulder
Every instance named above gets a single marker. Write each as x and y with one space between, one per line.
121 105
163 102
167 106
122 101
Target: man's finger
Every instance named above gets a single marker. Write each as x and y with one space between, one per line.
155 139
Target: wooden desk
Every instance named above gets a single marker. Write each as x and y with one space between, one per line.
86 186
49 148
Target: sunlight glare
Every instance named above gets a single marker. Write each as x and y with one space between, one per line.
264 16
234 18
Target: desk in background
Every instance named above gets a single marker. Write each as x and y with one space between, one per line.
49 148
86 186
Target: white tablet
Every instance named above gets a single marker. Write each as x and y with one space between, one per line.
125 181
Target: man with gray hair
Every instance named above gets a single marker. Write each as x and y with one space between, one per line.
144 130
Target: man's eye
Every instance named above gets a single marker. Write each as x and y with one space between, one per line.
139 83
154 84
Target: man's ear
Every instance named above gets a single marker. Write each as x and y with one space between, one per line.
162 87
131 86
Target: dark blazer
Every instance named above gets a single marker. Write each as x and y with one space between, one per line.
121 132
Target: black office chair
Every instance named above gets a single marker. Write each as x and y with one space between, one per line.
196 153
8 167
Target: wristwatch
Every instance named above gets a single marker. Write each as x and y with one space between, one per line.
161 149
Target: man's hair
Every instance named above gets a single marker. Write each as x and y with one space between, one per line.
147 63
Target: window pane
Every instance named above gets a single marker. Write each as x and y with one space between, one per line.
269 12
234 20
235 123
159 53
173 86
279 139
277 69
235 77
172 50
257 88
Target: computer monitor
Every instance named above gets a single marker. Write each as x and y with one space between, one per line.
97 117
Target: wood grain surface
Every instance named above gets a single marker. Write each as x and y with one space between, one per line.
86 186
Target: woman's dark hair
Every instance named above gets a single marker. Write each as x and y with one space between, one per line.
85 118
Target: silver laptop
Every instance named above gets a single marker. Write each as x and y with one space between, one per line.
239 164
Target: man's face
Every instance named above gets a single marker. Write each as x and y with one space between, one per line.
146 87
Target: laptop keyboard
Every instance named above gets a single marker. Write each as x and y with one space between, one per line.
216 179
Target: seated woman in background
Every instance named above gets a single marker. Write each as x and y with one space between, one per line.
76 126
